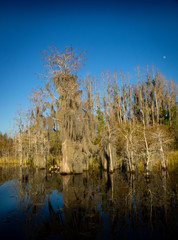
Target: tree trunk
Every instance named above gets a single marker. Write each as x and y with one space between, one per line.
66 154
111 160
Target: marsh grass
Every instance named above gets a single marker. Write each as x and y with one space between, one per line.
9 161
173 160
94 163
140 166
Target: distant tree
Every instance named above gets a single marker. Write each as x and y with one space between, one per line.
6 146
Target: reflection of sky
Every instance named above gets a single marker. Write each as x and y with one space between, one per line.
14 214
8 200
56 200
9 203
11 219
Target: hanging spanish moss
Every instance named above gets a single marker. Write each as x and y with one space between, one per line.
116 123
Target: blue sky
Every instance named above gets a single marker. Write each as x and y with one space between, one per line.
118 35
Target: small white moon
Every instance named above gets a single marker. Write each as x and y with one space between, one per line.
164 57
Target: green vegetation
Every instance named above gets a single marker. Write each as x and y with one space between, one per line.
9 161
6 146
173 160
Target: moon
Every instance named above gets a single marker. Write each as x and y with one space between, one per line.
164 57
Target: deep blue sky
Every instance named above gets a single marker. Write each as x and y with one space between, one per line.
117 35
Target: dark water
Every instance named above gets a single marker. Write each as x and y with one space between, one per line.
34 205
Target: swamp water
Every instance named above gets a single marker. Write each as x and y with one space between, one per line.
97 205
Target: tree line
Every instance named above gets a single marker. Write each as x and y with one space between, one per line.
6 146
112 121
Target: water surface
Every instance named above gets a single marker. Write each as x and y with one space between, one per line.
35 205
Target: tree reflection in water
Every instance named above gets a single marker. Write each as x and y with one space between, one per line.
94 205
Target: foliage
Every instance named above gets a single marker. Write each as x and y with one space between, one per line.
173 160
6 145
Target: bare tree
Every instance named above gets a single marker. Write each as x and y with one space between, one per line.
73 118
